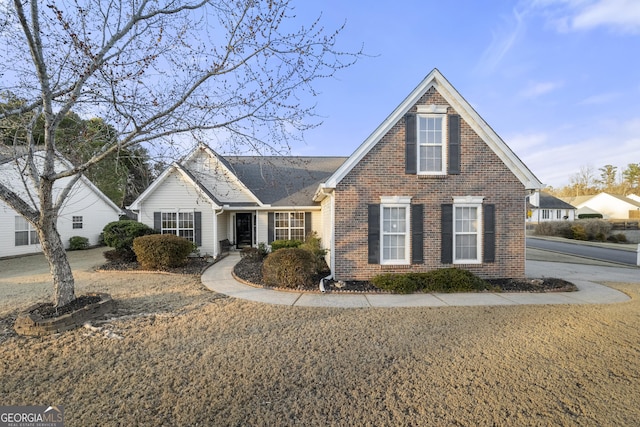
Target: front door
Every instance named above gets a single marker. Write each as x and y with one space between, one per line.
244 235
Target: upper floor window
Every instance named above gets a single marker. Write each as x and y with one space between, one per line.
25 233
76 222
432 147
432 141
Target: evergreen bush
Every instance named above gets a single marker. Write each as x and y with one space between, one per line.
289 268
120 235
159 251
281 244
443 280
78 243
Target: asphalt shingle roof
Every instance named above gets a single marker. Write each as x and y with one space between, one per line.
283 180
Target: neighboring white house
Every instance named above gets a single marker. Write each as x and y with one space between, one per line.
545 207
610 206
85 212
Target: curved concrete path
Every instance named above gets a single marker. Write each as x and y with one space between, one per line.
218 278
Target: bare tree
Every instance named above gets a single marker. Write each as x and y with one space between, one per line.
583 182
154 70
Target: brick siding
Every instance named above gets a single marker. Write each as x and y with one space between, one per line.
382 173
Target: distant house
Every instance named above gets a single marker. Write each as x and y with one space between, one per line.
85 212
545 207
610 206
433 186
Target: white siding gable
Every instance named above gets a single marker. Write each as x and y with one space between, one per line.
216 178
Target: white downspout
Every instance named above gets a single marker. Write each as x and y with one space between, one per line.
215 232
332 244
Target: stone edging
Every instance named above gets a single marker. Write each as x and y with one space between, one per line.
34 325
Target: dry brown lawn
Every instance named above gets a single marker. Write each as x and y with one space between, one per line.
181 355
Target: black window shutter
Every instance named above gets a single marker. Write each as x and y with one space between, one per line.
270 227
454 144
197 224
157 221
489 249
417 239
307 224
411 139
374 234
446 251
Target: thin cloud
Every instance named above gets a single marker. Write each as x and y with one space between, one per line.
619 16
503 40
600 99
537 89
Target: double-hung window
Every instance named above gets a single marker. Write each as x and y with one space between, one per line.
395 228
25 234
178 223
467 231
432 148
289 225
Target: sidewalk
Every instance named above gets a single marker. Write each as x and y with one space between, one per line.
218 278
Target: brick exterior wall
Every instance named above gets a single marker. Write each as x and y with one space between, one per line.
382 173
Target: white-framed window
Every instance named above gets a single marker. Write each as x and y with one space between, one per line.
76 222
394 230
25 233
432 144
546 214
467 230
289 225
179 223
558 214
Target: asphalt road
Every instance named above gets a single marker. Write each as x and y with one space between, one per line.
594 252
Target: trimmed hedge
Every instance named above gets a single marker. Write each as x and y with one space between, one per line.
289 268
120 235
78 243
282 244
444 280
159 251
585 229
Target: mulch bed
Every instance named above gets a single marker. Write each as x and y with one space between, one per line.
193 266
49 311
251 272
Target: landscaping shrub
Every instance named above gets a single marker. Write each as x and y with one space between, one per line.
443 280
588 216
255 254
578 232
313 246
120 235
618 238
78 243
596 228
281 244
159 251
289 268
554 228
397 283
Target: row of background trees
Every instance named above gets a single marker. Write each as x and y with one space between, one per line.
608 178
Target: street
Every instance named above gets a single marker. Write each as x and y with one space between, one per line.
595 252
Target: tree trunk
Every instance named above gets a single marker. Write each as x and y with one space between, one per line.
53 248
63 282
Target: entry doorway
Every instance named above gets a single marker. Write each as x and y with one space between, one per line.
244 230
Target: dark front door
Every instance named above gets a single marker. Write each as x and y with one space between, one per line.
244 236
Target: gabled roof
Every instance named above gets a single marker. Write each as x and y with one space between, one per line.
547 201
580 200
284 180
268 180
436 80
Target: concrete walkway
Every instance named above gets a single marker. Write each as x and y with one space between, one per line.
218 278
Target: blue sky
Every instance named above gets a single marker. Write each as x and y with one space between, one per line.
558 80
